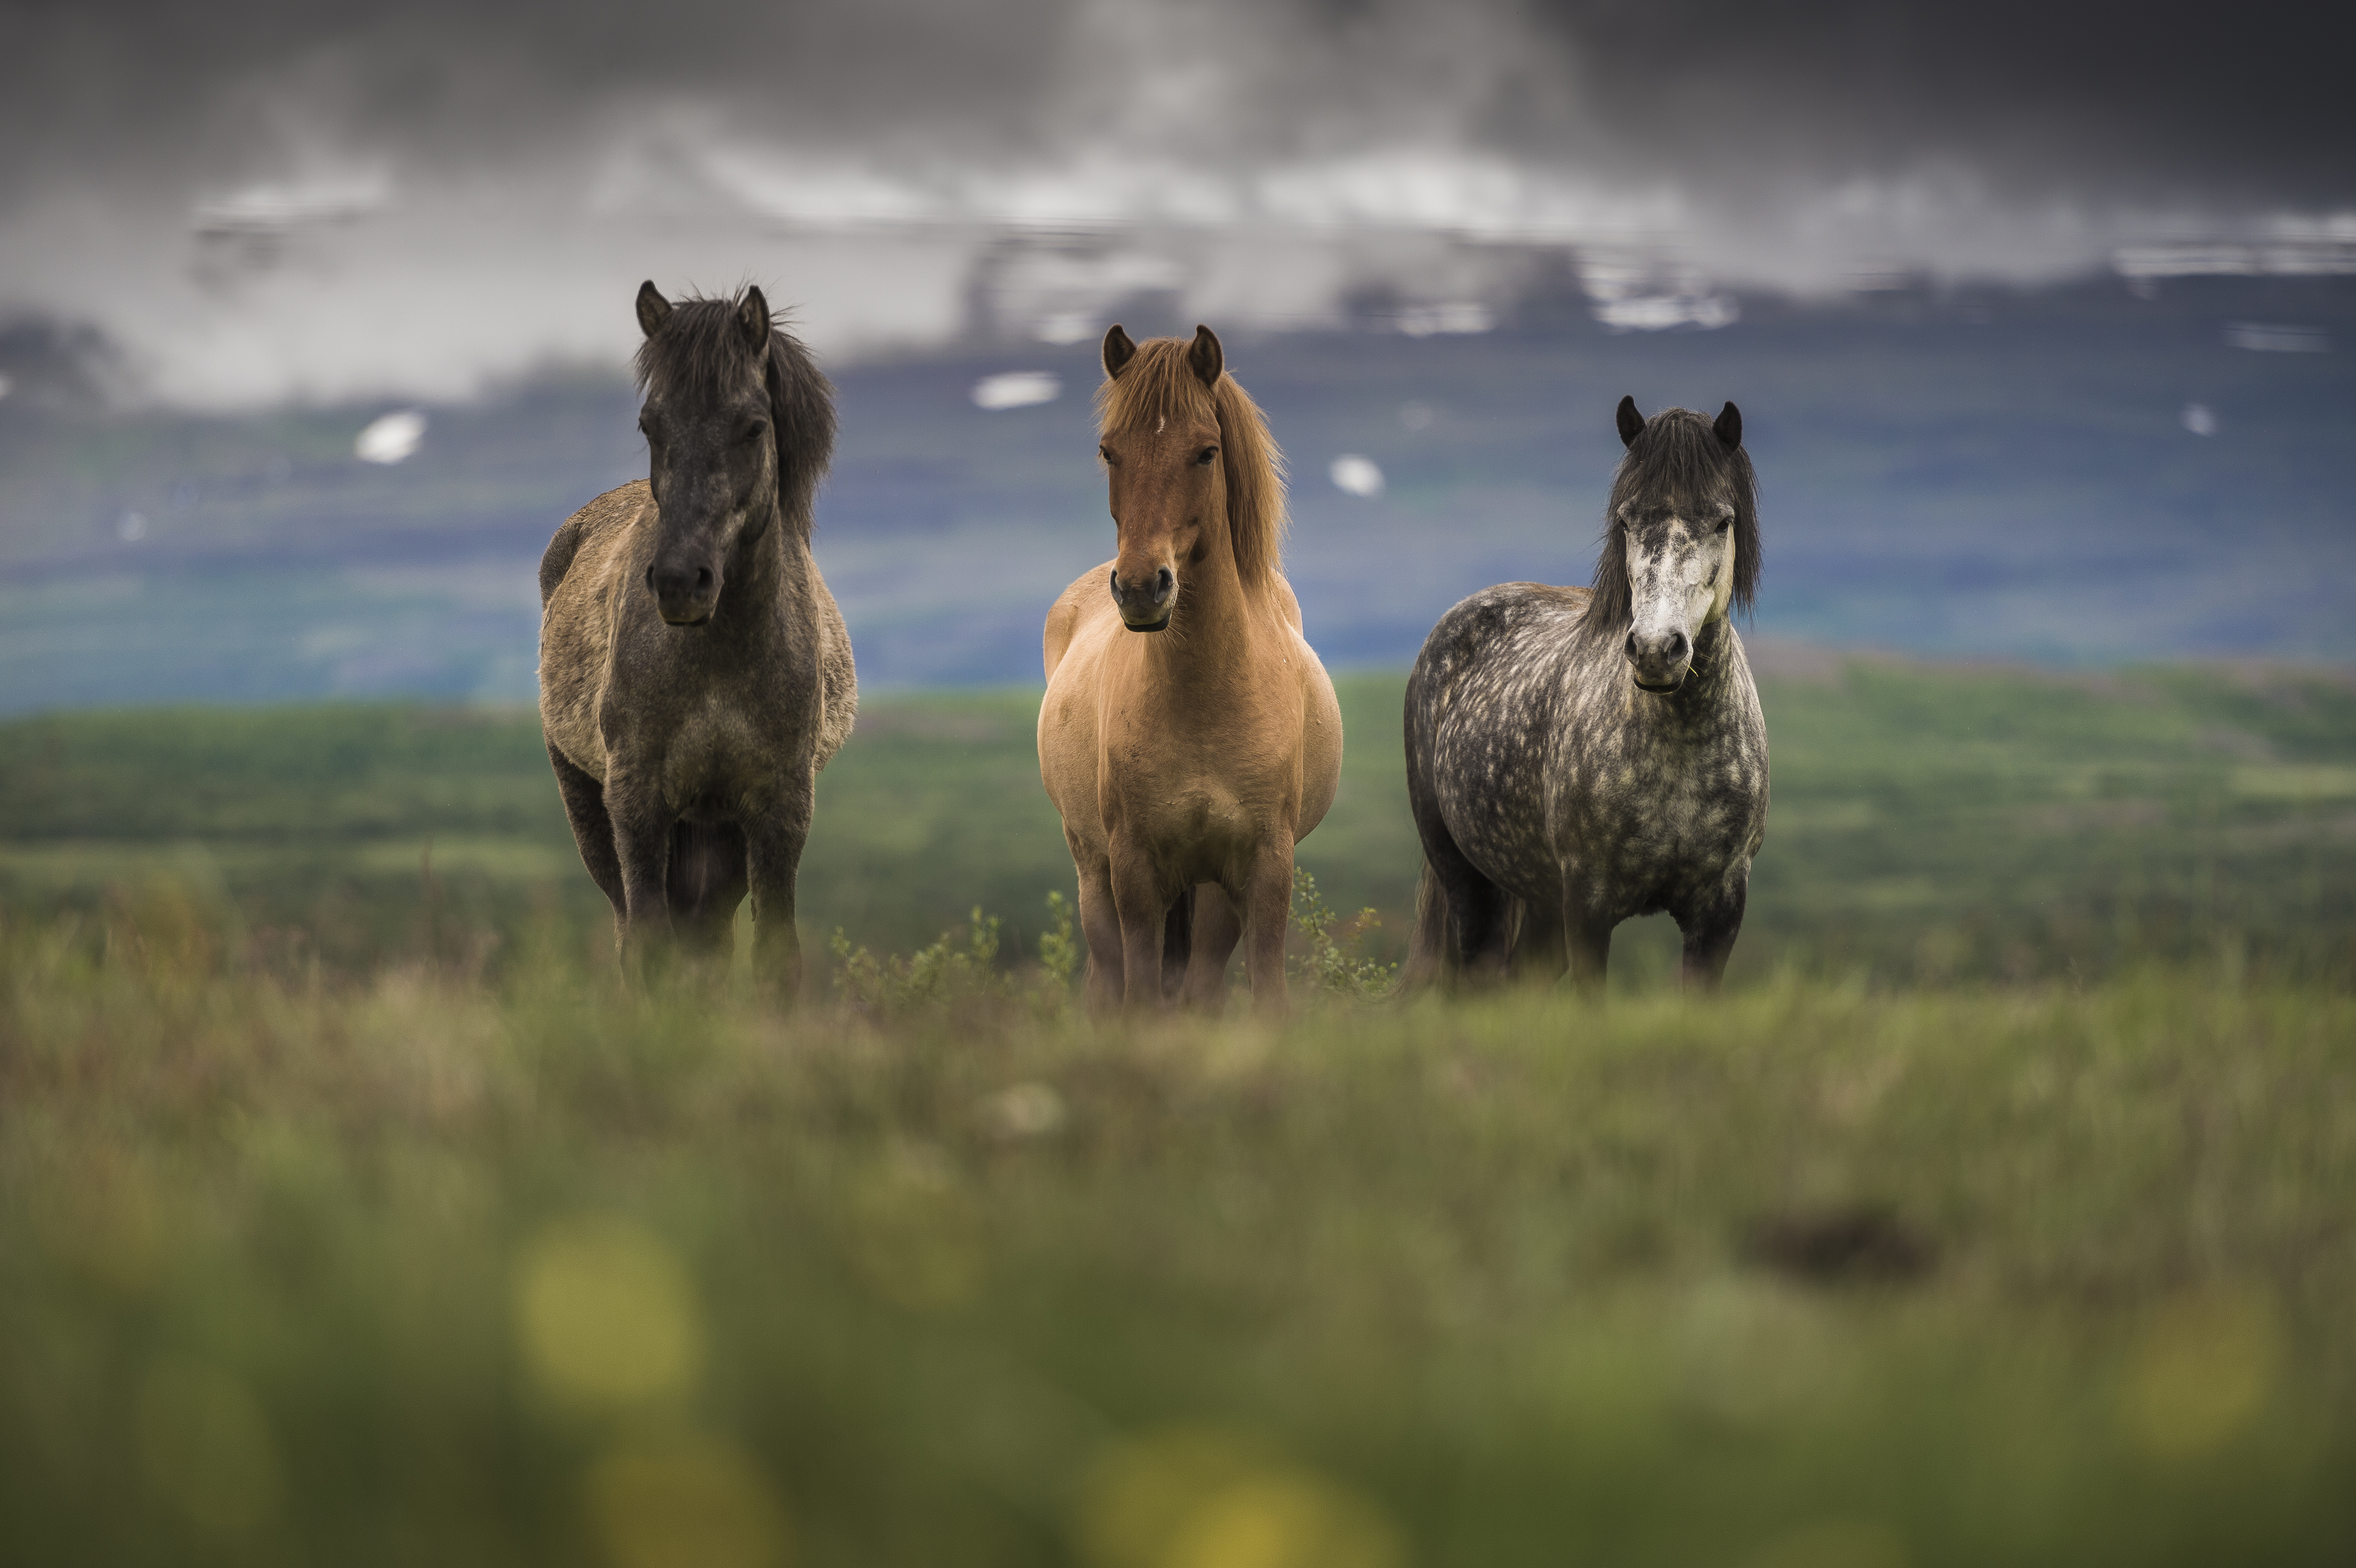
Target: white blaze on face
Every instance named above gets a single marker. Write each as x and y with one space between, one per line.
1680 577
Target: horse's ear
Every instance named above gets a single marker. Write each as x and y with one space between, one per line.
753 316
1207 357
653 309
1632 423
1117 350
1729 426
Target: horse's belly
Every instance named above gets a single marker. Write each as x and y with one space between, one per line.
1489 783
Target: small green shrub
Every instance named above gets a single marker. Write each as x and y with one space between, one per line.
1059 950
1336 963
958 966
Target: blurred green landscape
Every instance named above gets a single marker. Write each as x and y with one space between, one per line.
424 1269
2002 1210
1930 824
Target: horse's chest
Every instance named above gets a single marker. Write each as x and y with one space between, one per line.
1646 822
719 762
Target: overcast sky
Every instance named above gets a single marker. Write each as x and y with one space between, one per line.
259 200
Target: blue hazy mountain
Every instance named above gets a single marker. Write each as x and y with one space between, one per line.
2077 474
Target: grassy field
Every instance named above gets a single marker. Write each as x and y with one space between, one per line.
433 1270
2004 1210
1929 825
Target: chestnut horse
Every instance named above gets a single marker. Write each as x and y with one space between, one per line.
1188 736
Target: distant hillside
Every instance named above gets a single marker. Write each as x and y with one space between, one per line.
1930 822
1980 473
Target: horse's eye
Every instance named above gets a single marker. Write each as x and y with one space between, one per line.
754 432
1208 454
1726 522
1105 452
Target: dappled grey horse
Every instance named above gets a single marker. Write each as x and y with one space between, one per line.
694 672
1578 756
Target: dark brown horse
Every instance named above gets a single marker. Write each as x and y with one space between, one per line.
694 672
1188 736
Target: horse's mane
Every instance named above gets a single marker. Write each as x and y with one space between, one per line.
702 344
1678 457
1159 384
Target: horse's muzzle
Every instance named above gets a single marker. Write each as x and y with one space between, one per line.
1145 605
1659 663
684 595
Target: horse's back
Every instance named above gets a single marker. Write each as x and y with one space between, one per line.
1484 703
576 627
1072 646
616 509
838 676
1321 708
1484 638
1069 613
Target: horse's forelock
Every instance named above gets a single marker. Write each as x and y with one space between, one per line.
703 343
1676 457
1158 385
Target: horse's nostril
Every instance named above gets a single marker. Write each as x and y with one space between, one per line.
1677 645
702 579
650 579
1629 647
1165 581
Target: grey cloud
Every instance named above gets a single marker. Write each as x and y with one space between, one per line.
251 191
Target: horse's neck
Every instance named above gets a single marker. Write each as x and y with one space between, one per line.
1217 619
1718 674
758 572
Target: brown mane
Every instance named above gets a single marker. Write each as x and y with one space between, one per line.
1160 384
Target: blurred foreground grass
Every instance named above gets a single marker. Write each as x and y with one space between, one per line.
423 1268
1930 824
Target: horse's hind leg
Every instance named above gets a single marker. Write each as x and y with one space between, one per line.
1177 943
1479 911
592 830
1217 928
1539 954
706 880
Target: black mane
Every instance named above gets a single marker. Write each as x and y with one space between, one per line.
703 344
1678 457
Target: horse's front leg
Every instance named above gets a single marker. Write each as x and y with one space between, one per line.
1586 934
773 841
1101 928
1144 909
593 829
1709 927
1266 898
642 822
1218 929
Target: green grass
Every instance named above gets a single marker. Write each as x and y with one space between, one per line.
2004 1210
1929 824
424 1269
